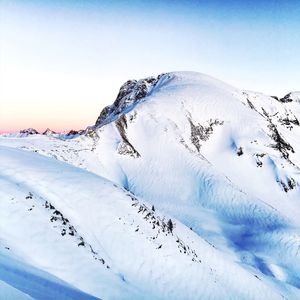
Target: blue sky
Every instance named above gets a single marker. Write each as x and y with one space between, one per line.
62 61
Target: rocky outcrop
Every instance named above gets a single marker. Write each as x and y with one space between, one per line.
280 143
286 98
28 131
202 133
125 147
49 132
75 132
130 92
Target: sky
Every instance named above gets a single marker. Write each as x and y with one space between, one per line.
62 61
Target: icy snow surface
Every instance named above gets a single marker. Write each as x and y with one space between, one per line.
87 216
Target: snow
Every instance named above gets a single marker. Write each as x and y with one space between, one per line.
22 281
205 154
10 293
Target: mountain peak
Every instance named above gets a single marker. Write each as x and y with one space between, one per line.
48 132
28 131
129 94
133 92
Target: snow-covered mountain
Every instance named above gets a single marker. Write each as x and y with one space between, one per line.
185 188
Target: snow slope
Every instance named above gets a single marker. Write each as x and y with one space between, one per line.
18 281
221 163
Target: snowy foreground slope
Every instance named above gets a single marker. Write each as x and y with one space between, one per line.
86 215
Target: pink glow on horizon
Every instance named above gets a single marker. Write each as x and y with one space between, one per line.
41 128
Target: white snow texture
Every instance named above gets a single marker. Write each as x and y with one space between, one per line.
186 188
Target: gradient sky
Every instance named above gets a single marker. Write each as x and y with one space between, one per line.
61 62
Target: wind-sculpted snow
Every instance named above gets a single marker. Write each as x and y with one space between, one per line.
115 219
187 188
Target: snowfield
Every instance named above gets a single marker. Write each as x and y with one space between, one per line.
185 188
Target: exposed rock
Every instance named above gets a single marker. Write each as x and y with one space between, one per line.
250 104
125 147
275 97
75 132
202 133
286 98
91 132
49 132
240 151
289 120
29 131
289 185
130 92
162 227
280 144
259 156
